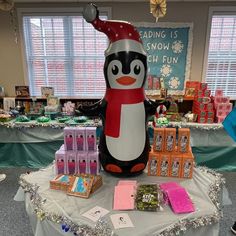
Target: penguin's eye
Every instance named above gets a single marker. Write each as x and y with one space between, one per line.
137 69
114 70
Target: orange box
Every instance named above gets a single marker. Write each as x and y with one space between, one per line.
153 163
175 164
170 139
164 164
61 182
187 165
183 139
159 140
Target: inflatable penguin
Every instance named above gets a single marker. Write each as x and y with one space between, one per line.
124 142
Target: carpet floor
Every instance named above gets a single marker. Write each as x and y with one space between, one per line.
14 220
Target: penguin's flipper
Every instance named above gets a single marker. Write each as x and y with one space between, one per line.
90 12
138 168
92 110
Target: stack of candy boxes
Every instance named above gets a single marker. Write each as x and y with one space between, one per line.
222 105
203 105
171 156
79 154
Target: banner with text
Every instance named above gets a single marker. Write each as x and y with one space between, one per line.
169 49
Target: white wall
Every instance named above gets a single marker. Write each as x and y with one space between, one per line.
11 62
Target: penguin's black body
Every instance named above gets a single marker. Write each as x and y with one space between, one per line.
124 110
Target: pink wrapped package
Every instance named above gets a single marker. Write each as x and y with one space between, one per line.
71 162
180 200
69 138
80 136
94 164
60 158
168 185
82 162
219 93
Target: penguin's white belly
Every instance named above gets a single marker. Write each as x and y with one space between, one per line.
132 137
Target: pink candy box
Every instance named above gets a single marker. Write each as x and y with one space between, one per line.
71 162
60 158
94 164
69 137
219 93
180 200
91 139
82 162
80 139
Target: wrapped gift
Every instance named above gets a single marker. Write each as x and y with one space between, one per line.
71 162
153 163
69 138
170 139
183 139
61 182
159 139
82 162
91 139
80 139
60 162
94 164
175 165
187 165
219 93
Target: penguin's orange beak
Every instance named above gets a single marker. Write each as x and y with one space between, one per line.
126 80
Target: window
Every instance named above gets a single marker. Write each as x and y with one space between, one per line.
65 52
221 62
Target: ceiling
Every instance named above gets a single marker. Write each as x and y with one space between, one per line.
31 1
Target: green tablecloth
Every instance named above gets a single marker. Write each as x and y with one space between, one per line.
35 147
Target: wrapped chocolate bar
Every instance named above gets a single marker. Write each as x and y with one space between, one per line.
148 197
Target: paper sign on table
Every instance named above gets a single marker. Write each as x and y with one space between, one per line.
121 221
95 213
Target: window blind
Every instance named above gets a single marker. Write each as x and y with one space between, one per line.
221 70
66 53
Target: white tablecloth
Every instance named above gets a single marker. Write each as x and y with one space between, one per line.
203 189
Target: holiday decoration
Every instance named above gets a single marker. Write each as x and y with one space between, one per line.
158 8
124 142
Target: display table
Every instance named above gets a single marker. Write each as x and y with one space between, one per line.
34 145
49 209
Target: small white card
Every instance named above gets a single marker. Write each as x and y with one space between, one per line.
95 213
121 221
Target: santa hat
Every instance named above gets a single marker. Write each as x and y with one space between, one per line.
123 36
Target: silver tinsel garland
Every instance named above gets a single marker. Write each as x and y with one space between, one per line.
214 194
103 229
54 125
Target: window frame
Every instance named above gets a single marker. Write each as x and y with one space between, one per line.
49 11
219 10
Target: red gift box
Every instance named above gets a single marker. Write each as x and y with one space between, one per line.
219 93
203 86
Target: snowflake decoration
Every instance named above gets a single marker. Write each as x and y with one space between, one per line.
177 46
166 70
174 82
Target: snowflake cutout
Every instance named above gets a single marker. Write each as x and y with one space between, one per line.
177 46
166 70
174 82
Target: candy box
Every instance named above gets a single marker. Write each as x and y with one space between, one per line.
71 162
209 106
91 139
183 139
170 139
80 139
60 162
164 164
198 105
219 93
187 165
220 119
69 138
97 183
61 182
175 165
193 84
93 163
229 107
210 120
82 162
201 120
153 163
159 139
203 86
